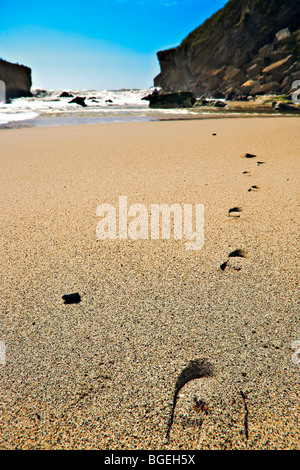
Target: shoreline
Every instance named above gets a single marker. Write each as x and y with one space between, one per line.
90 121
33 113
101 374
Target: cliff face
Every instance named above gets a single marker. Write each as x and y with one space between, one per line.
17 79
233 52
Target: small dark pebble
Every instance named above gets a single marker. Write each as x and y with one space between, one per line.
72 298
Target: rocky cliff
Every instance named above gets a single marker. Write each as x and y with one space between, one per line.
249 47
17 79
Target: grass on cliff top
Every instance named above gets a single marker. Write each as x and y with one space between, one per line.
203 32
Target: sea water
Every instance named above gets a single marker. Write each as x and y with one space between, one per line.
48 108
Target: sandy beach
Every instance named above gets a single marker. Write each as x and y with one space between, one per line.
101 374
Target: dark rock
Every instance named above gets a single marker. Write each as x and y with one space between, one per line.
180 99
234 75
278 55
66 94
109 101
200 102
285 89
279 66
284 36
246 87
295 75
215 56
229 94
218 104
17 79
79 100
242 98
265 51
249 155
287 81
275 77
154 93
254 70
260 61
266 88
291 69
281 106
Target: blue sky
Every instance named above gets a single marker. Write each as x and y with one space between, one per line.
104 44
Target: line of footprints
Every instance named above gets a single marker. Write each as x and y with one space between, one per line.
234 212
199 368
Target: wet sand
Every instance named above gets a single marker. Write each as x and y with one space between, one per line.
102 373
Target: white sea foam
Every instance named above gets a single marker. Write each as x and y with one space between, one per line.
49 104
7 118
48 108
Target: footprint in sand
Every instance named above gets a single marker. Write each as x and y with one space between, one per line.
239 253
233 212
254 188
196 369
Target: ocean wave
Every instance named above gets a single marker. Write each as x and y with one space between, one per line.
7 118
48 106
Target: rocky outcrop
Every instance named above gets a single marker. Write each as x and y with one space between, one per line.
249 47
17 79
181 99
66 94
79 100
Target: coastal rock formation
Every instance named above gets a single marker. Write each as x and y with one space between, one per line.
181 99
17 79
79 100
66 94
249 47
